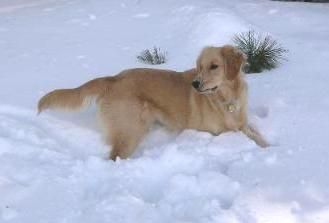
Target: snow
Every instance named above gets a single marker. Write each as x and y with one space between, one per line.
53 167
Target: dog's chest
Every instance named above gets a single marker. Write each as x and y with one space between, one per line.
218 113
231 115
225 117
213 122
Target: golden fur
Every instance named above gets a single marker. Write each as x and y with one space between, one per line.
132 101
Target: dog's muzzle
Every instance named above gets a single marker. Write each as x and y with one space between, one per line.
196 84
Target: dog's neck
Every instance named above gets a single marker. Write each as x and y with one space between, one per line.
228 95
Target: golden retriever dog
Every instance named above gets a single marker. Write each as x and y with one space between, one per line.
211 98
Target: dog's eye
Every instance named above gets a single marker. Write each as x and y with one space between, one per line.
213 66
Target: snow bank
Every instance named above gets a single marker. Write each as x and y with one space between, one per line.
48 164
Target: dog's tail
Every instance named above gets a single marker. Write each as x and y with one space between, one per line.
74 98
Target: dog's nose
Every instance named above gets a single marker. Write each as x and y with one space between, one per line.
196 84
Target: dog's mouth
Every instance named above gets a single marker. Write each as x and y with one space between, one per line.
208 90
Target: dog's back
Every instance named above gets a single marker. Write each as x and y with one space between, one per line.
163 89
150 84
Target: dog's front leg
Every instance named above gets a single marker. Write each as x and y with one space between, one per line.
253 134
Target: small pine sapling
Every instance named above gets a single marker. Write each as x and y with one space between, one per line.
264 53
153 56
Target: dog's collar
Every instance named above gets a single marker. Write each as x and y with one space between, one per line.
230 106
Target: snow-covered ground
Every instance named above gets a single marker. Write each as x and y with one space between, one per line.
53 167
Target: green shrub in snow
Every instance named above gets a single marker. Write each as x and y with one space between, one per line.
152 56
264 53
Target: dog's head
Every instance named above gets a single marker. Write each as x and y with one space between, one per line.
215 65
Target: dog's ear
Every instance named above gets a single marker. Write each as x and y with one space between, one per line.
234 59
